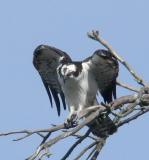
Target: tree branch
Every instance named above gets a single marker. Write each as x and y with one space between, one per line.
75 145
127 86
127 106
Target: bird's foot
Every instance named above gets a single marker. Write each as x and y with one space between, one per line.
72 120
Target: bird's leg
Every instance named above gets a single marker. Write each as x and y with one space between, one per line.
72 118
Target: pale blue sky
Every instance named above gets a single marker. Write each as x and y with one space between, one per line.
63 24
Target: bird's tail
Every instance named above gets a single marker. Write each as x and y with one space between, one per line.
102 127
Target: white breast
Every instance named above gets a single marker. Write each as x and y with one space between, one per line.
80 92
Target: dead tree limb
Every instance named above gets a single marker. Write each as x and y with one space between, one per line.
140 104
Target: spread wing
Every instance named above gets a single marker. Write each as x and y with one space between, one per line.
104 67
46 61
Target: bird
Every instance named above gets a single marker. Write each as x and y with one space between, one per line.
76 85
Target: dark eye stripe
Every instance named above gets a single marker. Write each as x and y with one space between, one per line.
79 69
60 71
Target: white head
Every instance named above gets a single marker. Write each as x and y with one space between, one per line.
68 70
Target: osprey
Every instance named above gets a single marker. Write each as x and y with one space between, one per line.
76 82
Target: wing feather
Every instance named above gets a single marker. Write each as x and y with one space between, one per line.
104 67
48 91
46 61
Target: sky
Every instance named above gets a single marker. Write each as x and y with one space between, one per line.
64 24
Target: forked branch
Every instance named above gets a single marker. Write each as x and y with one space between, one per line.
132 107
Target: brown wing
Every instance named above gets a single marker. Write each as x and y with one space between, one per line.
104 67
46 61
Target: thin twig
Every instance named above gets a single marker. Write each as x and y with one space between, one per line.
79 136
23 137
52 129
99 148
121 123
127 86
85 150
45 138
91 153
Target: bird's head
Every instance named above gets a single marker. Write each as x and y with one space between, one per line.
68 71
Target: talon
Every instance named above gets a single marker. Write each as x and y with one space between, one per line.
71 121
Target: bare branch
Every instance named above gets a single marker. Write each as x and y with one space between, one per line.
133 117
91 153
52 129
85 150
98 148
23 137
127 105
75 144
79 136
127 86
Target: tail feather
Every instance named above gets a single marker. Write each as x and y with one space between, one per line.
109 93
102 127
